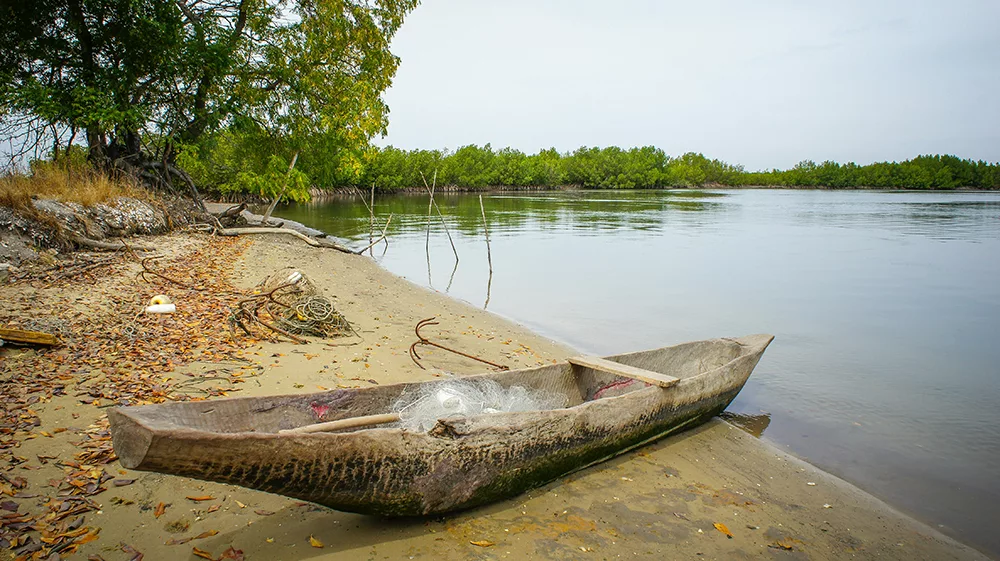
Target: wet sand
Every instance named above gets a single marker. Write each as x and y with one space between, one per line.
660 502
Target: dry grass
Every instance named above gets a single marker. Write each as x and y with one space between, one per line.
67 183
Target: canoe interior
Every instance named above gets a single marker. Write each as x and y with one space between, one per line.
275 413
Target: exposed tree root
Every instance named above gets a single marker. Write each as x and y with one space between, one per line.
109 246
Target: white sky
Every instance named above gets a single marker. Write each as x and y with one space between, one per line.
761 83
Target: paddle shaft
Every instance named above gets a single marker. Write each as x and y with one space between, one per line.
341 424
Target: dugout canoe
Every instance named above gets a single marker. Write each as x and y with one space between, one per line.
614 404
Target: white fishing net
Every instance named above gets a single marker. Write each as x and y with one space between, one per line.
420 409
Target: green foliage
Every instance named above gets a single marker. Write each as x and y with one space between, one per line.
313 87
227 83
922 172
227 165
269 183
88 64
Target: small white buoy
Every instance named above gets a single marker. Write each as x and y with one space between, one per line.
159 299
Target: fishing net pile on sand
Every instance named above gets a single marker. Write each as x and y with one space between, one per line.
297 306
420 408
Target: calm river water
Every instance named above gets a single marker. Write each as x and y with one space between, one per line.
885 369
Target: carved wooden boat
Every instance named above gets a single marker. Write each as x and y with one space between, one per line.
461 462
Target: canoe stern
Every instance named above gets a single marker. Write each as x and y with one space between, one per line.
131 439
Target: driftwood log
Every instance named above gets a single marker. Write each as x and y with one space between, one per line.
234 210
25 337
285 231
314 242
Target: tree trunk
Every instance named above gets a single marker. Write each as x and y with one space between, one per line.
98 150
284 187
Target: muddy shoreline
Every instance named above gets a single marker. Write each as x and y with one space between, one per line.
660 502
332 193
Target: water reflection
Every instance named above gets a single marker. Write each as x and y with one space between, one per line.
586 212
936 219
753 424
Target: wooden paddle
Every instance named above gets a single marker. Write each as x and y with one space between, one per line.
341 424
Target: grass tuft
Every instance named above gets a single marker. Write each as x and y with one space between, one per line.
67 183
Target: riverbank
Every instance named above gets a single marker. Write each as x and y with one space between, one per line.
662 501
317 194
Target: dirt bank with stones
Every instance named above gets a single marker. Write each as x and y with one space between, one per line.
52 226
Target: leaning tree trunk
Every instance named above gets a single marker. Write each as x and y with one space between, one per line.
284 187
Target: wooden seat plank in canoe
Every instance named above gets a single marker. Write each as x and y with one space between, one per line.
624 370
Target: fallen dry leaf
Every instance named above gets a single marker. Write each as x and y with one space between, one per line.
89 537
206 534
202 553
181 541
135 357
722 528
135 553
483 543
263 512
214 508
232 553
314 542
201 498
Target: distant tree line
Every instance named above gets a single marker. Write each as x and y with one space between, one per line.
476 167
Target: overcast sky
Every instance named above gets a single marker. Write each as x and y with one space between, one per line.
762 83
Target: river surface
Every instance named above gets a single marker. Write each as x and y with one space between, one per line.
885 369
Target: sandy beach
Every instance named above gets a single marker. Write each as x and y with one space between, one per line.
664 501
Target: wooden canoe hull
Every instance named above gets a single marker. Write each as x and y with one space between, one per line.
460 463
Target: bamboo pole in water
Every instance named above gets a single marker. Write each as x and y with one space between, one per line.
371 213
371 221
486 228
489 256
427 242
430 192
372 244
